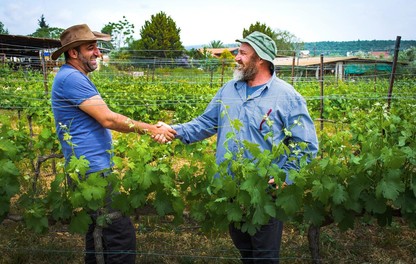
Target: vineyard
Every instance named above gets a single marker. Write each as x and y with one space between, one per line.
364 174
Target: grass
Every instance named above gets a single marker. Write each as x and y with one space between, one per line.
158 241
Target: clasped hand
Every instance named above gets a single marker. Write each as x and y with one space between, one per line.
163 133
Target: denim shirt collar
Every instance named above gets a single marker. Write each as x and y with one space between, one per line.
241 87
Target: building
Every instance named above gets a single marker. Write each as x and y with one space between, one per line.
341 67
27 52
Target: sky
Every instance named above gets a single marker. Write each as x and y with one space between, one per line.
201 22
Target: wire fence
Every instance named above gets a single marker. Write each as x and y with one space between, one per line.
174 74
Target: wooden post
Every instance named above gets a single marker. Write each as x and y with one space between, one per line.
293 67
321 80
211 76
393 71
375 76
154 69
222 71
44 70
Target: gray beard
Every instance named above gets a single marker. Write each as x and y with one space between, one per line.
245 74
238 75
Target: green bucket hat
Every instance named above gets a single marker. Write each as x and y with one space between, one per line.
264 45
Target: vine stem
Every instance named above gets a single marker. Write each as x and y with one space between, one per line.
313 238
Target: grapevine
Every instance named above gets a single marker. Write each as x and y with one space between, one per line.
365 168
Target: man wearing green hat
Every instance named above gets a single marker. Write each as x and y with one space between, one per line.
254 96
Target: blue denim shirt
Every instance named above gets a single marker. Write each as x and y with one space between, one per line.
277 99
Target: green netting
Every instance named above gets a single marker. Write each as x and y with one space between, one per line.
365 68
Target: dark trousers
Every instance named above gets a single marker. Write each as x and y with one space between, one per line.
263 246
119 242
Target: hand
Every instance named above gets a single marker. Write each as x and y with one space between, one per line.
271 182
163 133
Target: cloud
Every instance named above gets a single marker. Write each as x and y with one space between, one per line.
202 22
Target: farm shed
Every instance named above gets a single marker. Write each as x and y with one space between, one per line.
23 51
341 67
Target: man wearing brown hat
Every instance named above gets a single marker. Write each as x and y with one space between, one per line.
78 107
254 96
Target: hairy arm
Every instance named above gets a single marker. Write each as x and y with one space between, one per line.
98 109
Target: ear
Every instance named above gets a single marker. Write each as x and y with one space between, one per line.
73 53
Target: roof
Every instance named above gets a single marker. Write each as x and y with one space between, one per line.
14 45
312 61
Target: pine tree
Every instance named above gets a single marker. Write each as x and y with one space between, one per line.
160 37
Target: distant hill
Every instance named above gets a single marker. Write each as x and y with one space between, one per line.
343 47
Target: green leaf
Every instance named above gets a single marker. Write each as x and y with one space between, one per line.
78 166
270 209
198 211
146 179
228 155
374 205
259 216
178 205
36 218
220 200
236 124
391 185
93 192
137 199
7 149
253 148
234 212
314 214
249 228
80 222
120 202
77 199
166 180
7 168
340 195
230 187
118 161
162 204
290 201
46 133
97 180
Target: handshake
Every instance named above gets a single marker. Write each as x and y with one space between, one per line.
163 133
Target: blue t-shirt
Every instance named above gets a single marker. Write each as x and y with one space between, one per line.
70 88
251 90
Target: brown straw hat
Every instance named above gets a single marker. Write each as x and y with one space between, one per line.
75 36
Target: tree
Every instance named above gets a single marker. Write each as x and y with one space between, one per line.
195 54
215 44
44 31
42 22
227 59
258 27
160 37
408 55
3 30
121 32
286 42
